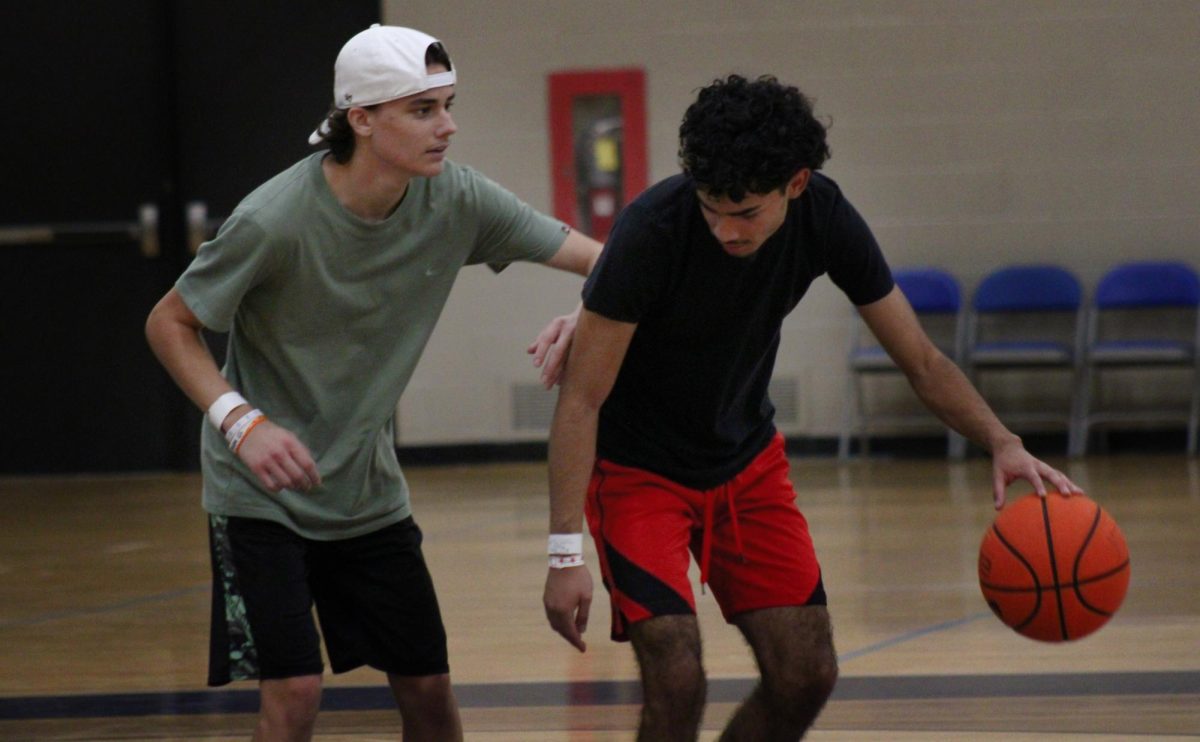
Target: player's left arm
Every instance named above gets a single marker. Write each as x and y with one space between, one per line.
578 254
946 391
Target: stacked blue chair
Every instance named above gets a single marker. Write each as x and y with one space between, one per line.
1023 319
1145 316
937 300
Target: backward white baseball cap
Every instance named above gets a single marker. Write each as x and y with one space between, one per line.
381 64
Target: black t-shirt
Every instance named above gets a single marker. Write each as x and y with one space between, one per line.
690 401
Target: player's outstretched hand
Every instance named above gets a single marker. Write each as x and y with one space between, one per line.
568 599
1011 462
549 349
279 459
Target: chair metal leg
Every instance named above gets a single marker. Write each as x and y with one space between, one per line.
1079 418
958 446
850 417
1194 419
860 409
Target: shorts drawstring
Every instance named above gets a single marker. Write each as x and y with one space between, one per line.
737 532
710 498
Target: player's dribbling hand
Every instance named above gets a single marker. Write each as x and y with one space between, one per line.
1012 462
568 599
279 459
549 349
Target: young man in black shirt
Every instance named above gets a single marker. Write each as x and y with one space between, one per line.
664 428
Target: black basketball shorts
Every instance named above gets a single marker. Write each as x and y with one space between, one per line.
374 598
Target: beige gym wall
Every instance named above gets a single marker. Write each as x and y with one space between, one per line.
969 134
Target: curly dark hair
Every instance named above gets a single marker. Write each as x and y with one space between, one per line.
743 136
339 136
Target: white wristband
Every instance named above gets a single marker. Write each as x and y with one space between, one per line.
562 544
563 561
225 404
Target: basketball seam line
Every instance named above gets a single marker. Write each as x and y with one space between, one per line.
1062 616
1037 586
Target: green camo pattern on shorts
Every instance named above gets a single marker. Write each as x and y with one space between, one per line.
243 657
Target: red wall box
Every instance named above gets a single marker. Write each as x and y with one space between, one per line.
597 144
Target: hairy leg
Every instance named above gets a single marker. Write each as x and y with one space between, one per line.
794 650
288 709
428 709
673 684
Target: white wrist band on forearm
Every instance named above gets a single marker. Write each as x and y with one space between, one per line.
225 404
562 561
565 544
240 429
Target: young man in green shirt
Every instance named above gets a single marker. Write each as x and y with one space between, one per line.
329 279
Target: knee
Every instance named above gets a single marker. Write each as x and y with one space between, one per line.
683 681
802 690
291 703
673 668
420 689
424 696
823 678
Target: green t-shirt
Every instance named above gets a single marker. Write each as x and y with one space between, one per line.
328 315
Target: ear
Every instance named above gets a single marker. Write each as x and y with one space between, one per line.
359 120
798 183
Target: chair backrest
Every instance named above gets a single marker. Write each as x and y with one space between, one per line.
929 290
936 297
1148 284
1028 288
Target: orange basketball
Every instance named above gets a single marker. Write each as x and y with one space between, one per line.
1054 568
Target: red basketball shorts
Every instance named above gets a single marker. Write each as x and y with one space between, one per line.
748 536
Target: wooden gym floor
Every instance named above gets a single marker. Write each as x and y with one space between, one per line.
104 590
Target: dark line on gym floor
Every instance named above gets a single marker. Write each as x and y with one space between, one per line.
608 693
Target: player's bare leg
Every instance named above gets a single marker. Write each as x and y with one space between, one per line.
673 684
794 650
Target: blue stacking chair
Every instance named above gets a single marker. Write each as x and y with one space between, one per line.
1025 319
936 298
1145 316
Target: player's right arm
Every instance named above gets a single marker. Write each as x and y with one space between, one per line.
275 456
596 355
947 392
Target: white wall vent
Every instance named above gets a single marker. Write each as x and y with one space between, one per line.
532 407
785 395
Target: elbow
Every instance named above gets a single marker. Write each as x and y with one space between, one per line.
152 328
167 325
578 404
